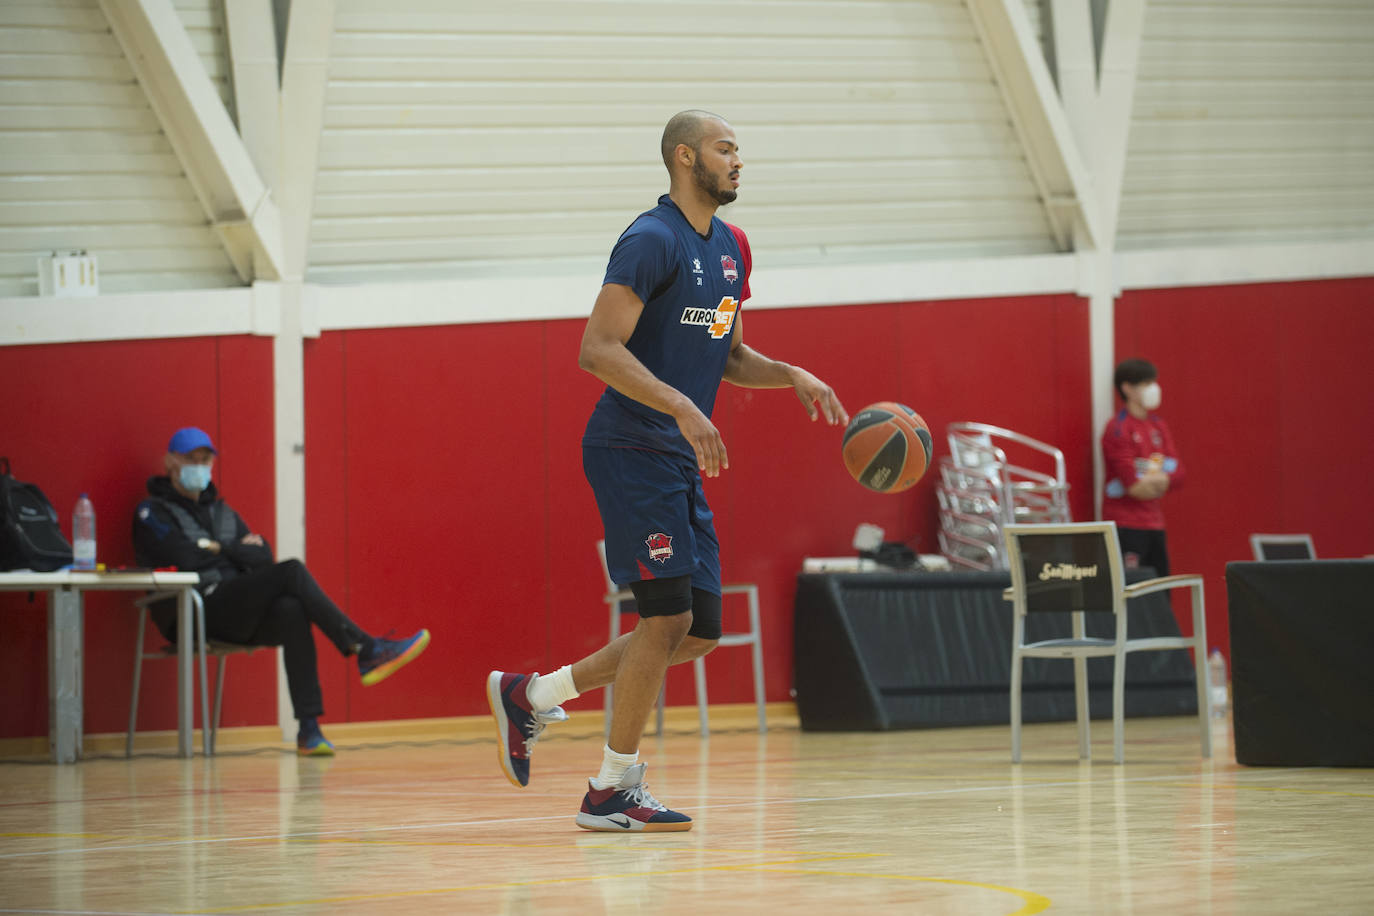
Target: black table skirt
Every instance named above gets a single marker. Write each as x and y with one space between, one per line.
921 650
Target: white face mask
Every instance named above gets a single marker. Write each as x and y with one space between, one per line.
1151 395
194 477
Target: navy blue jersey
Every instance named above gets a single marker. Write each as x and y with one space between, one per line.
692 288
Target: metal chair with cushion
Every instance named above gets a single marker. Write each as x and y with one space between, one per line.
1077 568
621 601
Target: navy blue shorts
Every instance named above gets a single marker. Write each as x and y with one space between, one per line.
654 510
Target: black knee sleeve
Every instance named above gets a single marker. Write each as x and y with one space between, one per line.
705 615
663 597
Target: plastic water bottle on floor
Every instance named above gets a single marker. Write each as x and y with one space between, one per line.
1216 680
83 534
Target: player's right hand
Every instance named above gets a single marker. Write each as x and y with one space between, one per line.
702 435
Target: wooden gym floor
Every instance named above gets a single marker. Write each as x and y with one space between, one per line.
906 822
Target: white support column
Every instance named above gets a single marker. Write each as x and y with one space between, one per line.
1115 97
254 66
1099 110
257 93
305 76
1115 100
1098 286
1076 70
1061 176
235 197
1076 74
288 368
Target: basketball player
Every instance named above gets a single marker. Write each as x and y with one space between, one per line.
1142 465
665 329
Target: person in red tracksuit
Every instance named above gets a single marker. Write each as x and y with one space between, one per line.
1142 465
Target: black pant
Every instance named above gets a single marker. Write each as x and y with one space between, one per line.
275 606
1147 545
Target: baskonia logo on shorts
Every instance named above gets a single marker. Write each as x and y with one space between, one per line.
718 320
660 546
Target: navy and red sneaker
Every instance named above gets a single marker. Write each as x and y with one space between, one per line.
627 807
517 726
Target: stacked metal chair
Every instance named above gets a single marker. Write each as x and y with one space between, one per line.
980 491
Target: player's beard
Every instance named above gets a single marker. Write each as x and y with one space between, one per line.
710 185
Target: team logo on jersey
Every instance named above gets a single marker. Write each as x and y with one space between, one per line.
660 546
728 269
696 265
718 320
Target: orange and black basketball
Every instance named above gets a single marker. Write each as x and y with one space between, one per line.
887 447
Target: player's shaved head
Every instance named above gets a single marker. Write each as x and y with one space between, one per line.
689 128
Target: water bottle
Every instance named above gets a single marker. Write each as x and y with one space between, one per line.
1216 680
83 534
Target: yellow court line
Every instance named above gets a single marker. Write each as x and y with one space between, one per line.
1035 903
266 840
617 847
507 885
1214 787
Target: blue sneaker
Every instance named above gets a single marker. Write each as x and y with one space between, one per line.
387 656
311 742
518 727
628 807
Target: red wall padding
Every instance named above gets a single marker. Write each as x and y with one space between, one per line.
444 483
97 417
1269 392
446 486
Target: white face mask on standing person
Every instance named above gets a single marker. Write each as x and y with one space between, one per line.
1151 395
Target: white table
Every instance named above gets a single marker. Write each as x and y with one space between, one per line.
66 634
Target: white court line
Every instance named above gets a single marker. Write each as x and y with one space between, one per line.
166 844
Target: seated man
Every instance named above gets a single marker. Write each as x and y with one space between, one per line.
249 598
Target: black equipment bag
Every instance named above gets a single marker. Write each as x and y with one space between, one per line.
30 537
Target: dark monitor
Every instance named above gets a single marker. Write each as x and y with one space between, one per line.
1282 547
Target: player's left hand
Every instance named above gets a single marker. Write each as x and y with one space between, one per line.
814 394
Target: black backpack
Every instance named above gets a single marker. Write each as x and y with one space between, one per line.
29 534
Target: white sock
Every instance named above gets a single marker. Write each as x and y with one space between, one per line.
553 689
613 767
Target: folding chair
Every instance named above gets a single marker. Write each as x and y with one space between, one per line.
1077 568
621 601
977 480
202 647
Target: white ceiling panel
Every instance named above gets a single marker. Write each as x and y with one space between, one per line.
84 162
458 133
1252 121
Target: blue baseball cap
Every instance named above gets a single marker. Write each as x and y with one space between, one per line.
188 439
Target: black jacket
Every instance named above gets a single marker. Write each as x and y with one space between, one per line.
162 538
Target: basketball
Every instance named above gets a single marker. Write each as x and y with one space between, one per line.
887 447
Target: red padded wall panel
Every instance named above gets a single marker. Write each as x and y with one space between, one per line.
578 621
1267 389
96 417
444 484
445 451
326 501
1325 409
